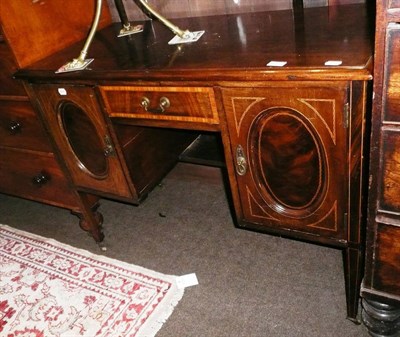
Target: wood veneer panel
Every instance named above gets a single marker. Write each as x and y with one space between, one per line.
38 28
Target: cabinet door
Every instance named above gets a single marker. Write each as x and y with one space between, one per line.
76 123
289 148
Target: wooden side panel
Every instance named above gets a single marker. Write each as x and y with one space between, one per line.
36 29
150 153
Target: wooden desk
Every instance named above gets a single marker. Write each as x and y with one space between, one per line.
293 136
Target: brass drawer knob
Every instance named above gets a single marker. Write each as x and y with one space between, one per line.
162 106
41 179
14 127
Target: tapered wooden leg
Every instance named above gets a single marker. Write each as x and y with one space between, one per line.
353 263
381 319
90 219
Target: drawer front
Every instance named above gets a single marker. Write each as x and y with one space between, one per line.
36 177
21 128
181 104
386 276
391 85
389 193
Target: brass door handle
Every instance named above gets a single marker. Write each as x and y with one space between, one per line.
162 106
241 162
109 150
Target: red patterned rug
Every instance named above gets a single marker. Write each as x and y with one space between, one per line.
50 289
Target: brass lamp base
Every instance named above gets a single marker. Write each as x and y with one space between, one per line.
128 30
74 65
187 37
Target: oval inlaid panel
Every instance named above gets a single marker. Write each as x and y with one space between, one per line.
83 138
288 162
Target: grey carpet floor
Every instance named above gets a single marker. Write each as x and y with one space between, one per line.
250 284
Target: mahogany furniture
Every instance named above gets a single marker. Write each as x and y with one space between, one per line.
381 285
293 136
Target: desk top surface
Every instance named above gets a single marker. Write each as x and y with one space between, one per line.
233 47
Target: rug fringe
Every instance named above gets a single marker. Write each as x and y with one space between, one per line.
151 327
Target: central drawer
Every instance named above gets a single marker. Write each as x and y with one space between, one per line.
192 106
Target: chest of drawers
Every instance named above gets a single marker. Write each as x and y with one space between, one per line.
381 285
28 167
